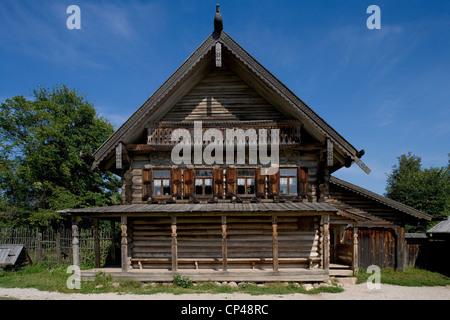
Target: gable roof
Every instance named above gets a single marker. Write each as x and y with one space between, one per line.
250 70
378 198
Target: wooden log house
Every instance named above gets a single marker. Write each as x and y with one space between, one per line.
222 221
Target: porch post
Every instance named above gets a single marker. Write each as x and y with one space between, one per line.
326 242
224 244
75 242
124 242
355 259
275 242
96 244
174 244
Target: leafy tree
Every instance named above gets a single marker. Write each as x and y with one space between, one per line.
427 190
45 162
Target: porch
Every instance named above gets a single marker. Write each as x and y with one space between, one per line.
237 275
279 243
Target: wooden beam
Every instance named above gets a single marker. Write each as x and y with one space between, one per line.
275 242
124 242
224 244
119 156
96 244
75 242
330 158
174 244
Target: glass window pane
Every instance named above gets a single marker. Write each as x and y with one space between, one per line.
241 186
203 173
283 186
208 186
158 190
199 186
246 172
161 174
166 187
288 172
250 186
292 185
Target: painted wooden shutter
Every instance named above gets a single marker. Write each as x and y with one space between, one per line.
176 182
188 182
231 182
260 180
302 185
218 182
274 183
147 184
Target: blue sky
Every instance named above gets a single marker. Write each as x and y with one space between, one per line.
386 91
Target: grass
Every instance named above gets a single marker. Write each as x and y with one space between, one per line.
412 277
54 278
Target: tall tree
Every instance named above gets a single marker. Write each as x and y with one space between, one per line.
45 163
427 190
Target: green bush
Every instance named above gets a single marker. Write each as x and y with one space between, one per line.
182 281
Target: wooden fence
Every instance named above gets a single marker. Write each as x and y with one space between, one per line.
55 246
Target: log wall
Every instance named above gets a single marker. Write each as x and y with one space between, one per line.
250 242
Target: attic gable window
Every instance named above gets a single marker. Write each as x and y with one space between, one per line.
161 184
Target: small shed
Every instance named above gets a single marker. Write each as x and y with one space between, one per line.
440 231
13 256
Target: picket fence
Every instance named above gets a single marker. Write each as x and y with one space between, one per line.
55 246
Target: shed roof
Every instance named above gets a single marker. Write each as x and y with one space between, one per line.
380 199
10 253
441 227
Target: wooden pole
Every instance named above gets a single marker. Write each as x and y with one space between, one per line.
355 259
75 242
174 244
224 244
124 242
326 242
275 242
96 245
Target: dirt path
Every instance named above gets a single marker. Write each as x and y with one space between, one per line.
351 292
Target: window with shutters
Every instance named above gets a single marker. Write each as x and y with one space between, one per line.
246 182
288 181
161 183
203 182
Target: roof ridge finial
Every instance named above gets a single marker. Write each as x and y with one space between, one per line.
218 22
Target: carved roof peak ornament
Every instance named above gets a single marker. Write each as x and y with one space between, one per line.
218 22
